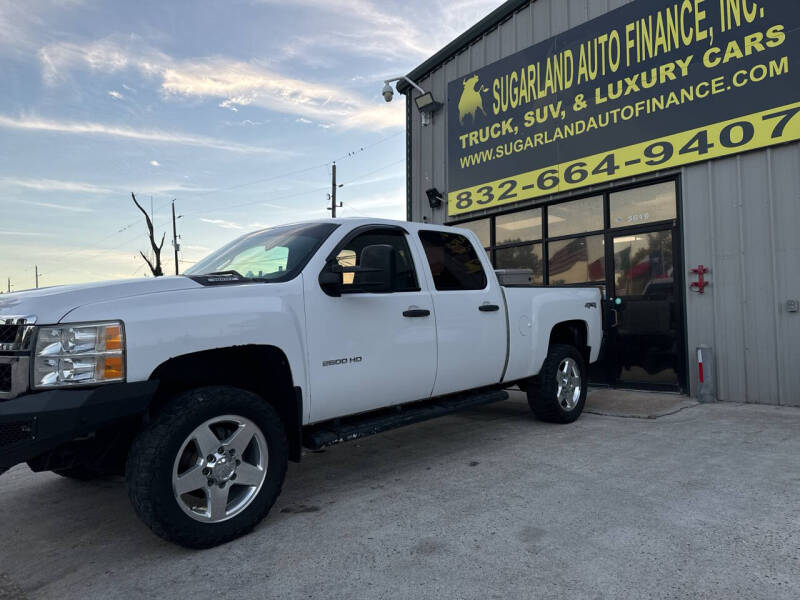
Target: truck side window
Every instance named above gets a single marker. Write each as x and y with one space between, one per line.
405 276
454 263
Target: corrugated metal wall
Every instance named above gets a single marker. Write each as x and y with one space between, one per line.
741 218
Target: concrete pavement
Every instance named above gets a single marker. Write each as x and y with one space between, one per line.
485 504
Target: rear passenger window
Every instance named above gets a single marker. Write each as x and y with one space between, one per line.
454 263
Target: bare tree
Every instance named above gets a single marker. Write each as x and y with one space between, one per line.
155 269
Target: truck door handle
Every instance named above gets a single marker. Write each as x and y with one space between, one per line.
488 308
416 312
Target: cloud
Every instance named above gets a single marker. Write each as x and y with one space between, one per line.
252 84
371 29
55 185
85 264
223 223
246 123
67 207
26 233
81 187
252 226
33 123
163 188
231 83
389 205
115 94
155 163
23 24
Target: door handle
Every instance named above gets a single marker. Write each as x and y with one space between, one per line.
488 308
416 312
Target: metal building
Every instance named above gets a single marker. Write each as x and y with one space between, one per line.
687 215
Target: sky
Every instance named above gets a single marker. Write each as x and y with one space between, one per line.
233 108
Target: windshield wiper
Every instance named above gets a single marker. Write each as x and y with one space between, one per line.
229 276
230 273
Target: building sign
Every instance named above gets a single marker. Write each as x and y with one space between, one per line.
652 85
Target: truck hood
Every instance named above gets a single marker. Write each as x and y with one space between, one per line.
52 304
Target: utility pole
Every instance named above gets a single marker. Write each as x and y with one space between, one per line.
9 285
333 205
175 237
36 269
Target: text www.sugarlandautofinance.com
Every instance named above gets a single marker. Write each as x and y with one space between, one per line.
663 102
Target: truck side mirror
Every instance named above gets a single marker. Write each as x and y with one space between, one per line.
331 280
376 273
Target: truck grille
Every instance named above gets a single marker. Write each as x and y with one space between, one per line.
15 432
8 334
5 378
16 333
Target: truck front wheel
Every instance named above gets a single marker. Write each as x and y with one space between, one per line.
209 467
560 392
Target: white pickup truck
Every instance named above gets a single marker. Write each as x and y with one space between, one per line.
199 388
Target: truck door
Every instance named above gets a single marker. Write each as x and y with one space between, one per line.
369 350
470 314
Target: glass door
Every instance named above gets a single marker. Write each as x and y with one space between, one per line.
646 337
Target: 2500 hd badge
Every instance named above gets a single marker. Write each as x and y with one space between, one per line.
342 361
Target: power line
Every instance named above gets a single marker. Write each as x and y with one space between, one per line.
271 200
161 204
296 172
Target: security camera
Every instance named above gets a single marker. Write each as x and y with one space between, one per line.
388 92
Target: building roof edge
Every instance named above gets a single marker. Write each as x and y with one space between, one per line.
497 16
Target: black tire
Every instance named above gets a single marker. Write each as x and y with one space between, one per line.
153 453
543 394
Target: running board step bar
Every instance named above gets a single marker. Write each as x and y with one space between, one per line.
353 428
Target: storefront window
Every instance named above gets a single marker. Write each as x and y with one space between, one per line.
578 216
528 256
482 229
579 260
524 226
643 205
643 265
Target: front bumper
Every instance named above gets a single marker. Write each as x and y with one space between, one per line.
33 424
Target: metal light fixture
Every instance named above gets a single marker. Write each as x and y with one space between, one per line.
426 104
434 197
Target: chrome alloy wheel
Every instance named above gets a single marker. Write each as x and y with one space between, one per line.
220 468
569 383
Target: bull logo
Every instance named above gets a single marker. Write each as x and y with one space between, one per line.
471 100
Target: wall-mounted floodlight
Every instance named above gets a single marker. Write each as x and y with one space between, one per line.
434 197
425 102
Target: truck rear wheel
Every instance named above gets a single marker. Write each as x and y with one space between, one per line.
209 467
560 393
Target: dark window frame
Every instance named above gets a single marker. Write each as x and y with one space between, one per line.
397 231
485 286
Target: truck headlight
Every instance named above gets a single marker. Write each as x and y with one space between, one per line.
80 354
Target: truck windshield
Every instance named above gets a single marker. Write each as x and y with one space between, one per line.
276 254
